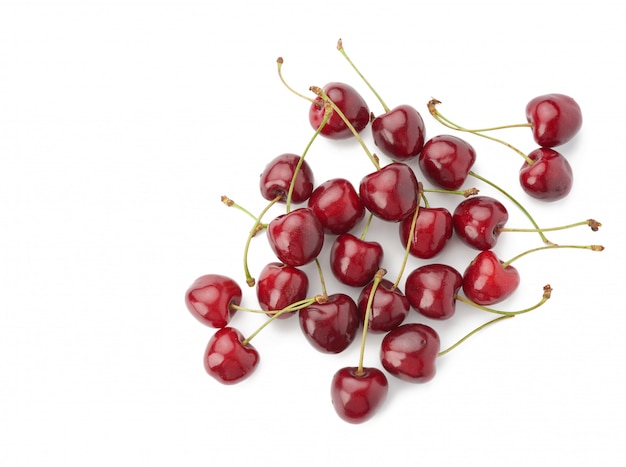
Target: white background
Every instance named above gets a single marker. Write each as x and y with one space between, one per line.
123 122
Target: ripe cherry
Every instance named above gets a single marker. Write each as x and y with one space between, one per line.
390 306
555 119
549 177
390 193
277 177
432 289
433 229
446 161
355 261
296 237
331 326
337 205
409 352
399 133
478 220
357 395
487 281
210 299
227 359
279 285
351 104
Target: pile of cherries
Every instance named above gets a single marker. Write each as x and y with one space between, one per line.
395 191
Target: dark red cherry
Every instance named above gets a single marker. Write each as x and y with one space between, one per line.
210 297
351 104
277 175
399 133
390 306
354 261
279 285
446 161
549 177
555 119
390 193
433 229
337 205
330 327
486 281
296 237
227 359
356 396
409 352
431 290
478 220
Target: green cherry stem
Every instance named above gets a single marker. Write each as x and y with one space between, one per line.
551 247
377 278
479 328
409 240
592 223
230 203
279 62
367 226
547 292
465 193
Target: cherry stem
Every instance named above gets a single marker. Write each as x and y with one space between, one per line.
547 292
230 203
343 52
320 272
279 62
444 121
465 193
367 226
377 278
479 328
409 240
550 247
255 228
592 223
514 201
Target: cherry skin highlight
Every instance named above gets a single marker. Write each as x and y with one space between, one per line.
431 290
555 119
409 352
354 261
486 281
337 205
433 229
356 396
296 237
277 175
210 297
549 177
477 221
399 133
227 359
279 285
351 104
446 161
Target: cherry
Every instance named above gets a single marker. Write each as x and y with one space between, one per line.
555 119
227 358
357 395
337 205
390 193
487 280
331 326
210 299
433 229
549 177
409 352
446 161
351 104
389 307
277 176
478 220
296 237
432 290
354 261
279 285
399 132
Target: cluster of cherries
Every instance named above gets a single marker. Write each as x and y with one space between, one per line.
392 193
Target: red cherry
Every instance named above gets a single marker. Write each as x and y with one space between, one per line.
279 285
409 352
356 396
277 175
227 359
478 220
390 193
486 281
296 237
446 161
210 297
431 290
433 229
390 306
399 133
331 326
351 104
354 261
549 177
555 119
337 205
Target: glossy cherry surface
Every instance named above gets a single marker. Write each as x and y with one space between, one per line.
279 285
555 119
227 359
478 220
354 261
433 229
432 288
210 297
446 161
330 327
296 237
390 193
409 352
549 177
277 175
337 205
356 396
486 281
390 306
399 133
351 104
